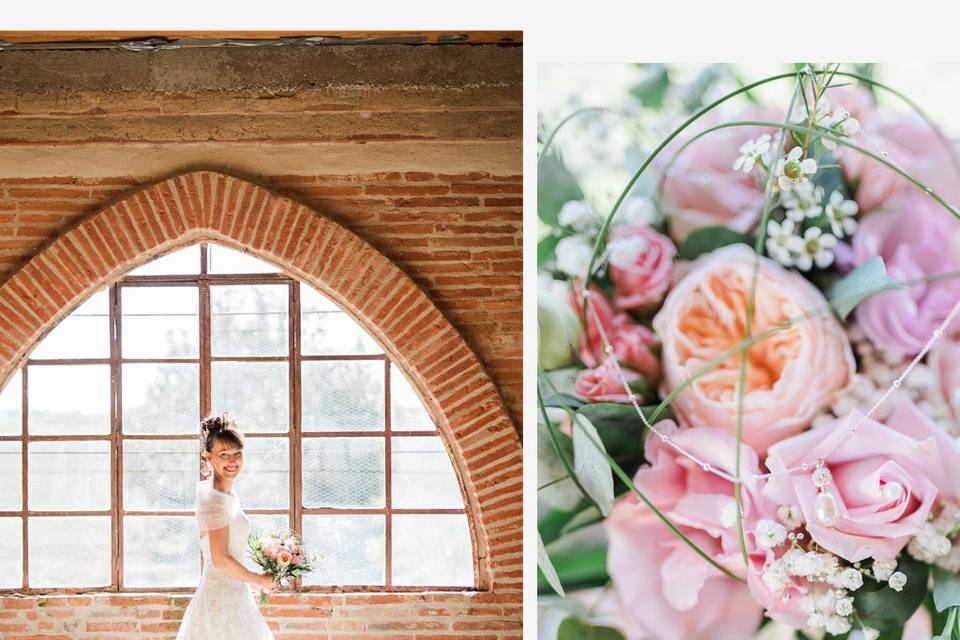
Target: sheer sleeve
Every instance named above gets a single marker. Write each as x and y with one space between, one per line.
214 508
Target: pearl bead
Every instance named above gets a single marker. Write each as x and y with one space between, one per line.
825 509
892 491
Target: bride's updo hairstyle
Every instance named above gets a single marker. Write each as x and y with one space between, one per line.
222 428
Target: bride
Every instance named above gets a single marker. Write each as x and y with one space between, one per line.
223 605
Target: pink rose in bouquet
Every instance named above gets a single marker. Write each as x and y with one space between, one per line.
702 190
911 144
945 362
885 480
602 384
792 374
632 343
643 279
915 238
666 590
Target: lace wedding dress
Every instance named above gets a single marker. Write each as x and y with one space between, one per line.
222 607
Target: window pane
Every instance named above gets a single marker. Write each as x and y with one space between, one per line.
58 543
256 394
161 398
264 525
85 333
160 551
343 472
69 476
159 475
223 260
422 475
11 401
353 549
327 330
343 396
68 399
11 553
407 412
432 550
248 320
11 480
180 262
159 322
264 480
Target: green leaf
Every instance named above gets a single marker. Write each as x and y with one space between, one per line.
886 610
588 516
546 567
555 186
558 331
545 249
946 589
562 401
619 426
858 285
590 463
578 569
573 628
563 494
706 239
830 178
651 90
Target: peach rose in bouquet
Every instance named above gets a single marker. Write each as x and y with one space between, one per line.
792 374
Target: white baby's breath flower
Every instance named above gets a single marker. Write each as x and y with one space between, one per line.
869 633
623 252
803 202
636 211
780 237
884 568
750 151
775 576
770 534
835 625
850 579
792 171
897 581
576 214
843 606
840 212
790 515
814 248
573 255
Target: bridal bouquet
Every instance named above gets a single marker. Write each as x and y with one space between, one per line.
748 376
282 555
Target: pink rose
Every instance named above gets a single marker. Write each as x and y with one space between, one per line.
945 362
666 590
602 384
791 375
646 279
913 145
284 557
702 189
632 343
886 478
915 238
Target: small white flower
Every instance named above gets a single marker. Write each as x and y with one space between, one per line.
624 252
897 581
576 214
840 213
842 125
869 633
836 625
636 211
851 579
790 515
770 534
792 171
573 255
780 237
814 247
803 202
843 606
775 576
884 568
750 151
821 114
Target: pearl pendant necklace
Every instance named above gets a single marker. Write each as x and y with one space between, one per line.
825 506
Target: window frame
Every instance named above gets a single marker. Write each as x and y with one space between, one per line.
294 433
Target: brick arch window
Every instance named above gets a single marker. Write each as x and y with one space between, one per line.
339 446
202 371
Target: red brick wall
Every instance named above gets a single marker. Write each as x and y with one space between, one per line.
415 150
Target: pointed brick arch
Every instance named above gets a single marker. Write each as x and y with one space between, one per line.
210 206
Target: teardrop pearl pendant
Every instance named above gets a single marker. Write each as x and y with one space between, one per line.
825 508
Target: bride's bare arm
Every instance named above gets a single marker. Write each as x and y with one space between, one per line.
228 565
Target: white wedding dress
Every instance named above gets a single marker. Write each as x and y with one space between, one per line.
222 607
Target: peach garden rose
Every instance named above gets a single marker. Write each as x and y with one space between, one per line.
791 375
